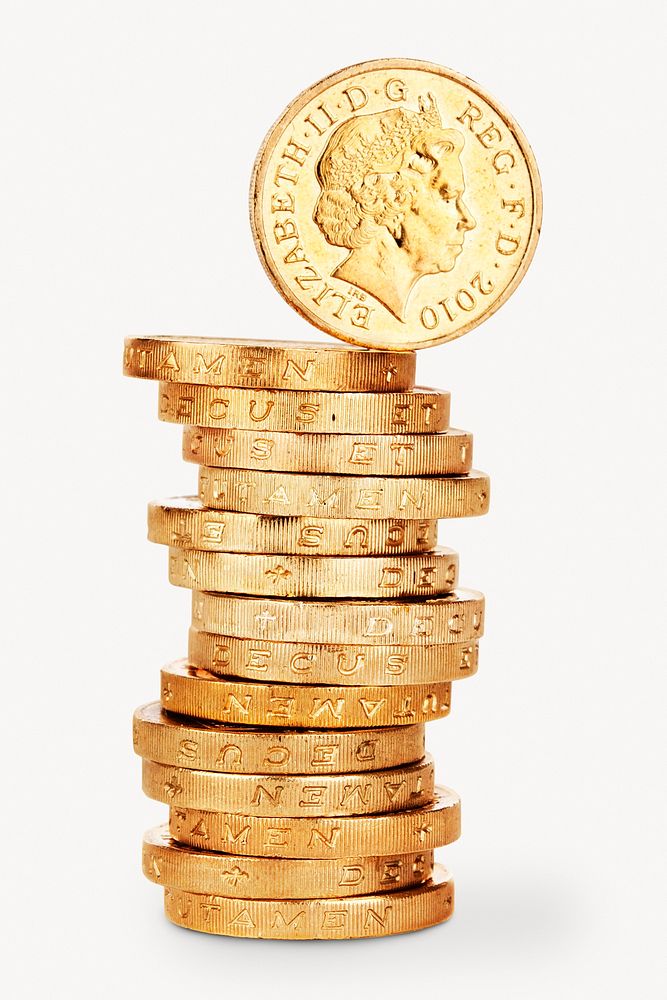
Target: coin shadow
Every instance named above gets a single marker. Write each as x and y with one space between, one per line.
536 913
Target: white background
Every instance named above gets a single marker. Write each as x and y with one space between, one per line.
128 132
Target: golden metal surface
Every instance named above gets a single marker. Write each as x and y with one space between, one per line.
166 862
209 746
415 411
200 694
317 663
455 617
186 522
368 916
443 454
294 495
405 787
420 829
315 576
395 204
267 364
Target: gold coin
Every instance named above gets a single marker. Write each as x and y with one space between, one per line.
290 795
420 829
294 495
395 204
209 746
415 411
235 876
443 454
368 916
267 364
189 691
315 576
317 663
185 521
362 916
455 617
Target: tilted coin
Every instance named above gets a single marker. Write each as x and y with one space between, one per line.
189 691
455 617
405 787
295 495
185 521
415 411
267 364
367 916
395 204
320 837
443 454
315 576
318 663
235 876
178 741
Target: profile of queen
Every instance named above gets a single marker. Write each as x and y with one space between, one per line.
392 188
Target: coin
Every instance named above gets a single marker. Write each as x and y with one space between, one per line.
454 617
443 454
373 915
289 795
267 364
415 411
235 876
295 495
315 576
395 204
317 663
185 521
189 691
365 916
319 837
208 746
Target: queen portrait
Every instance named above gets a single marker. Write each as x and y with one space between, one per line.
392 190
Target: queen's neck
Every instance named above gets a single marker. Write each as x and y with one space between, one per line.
383 269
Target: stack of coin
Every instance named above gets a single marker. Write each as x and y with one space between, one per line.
395 206
327 628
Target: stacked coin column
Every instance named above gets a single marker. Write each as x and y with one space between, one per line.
327 627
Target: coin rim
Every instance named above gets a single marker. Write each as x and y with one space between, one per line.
239 789
190 863
340 355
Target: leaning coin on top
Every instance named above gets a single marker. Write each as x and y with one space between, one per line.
395 204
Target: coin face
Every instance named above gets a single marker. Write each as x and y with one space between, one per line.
395 205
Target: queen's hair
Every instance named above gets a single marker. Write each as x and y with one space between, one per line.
368 170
